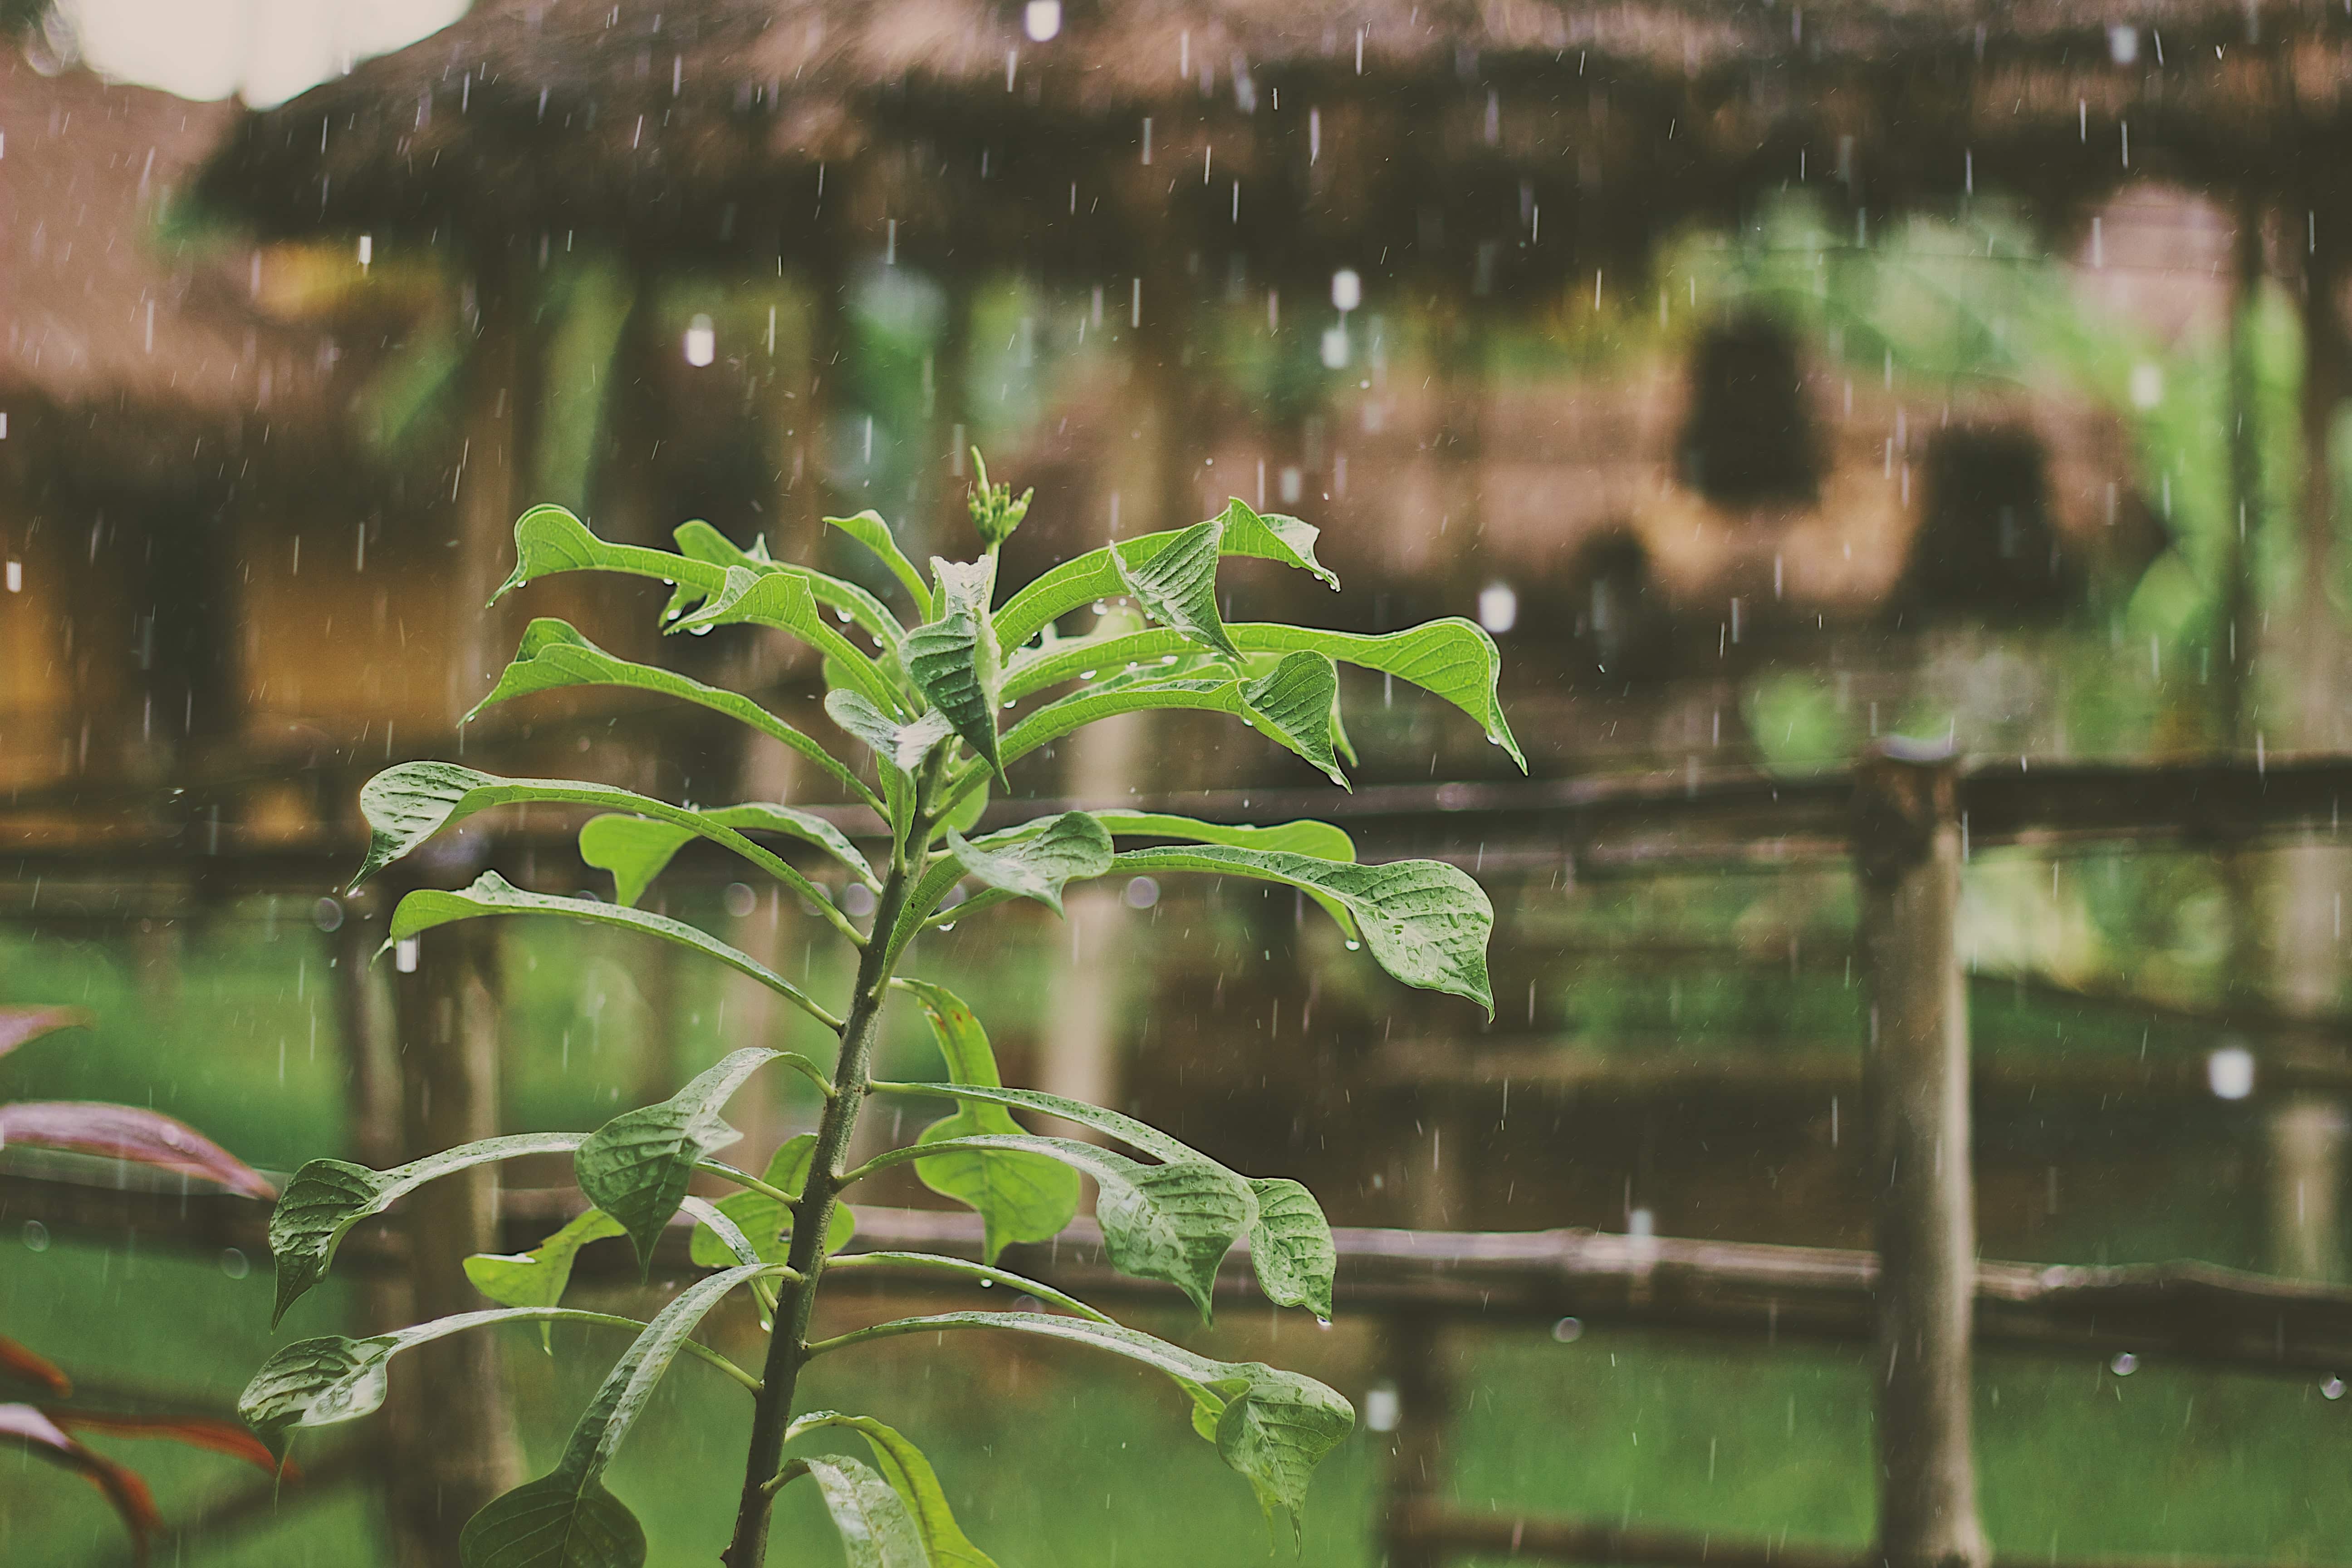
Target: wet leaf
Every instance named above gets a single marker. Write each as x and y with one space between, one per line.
1072 846
911 1475
1172 1222
23 1426
1273 1427
1086 578
1019 1197
567 1519
952 659
492 894
22 1026
1426 923
635 850
868 529
1177 586
767 1223
553 656
538 1277
877 1530
636 1167
131 1133
20 1366
1291 1247
327 1197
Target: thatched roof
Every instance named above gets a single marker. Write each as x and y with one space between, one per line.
700 128
140 341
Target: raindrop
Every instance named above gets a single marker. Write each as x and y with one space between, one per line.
327 915
234 1264
1568 1331
403 955
739 900
1383 1408
15 577
2332 1389
1347 289
2229 1072
2125 1365
859 900
1498 607
1142 892
1353 944
1041 20
701 342
36 1236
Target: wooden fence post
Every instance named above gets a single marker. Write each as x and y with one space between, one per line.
1908 847
452 1430
1413 1350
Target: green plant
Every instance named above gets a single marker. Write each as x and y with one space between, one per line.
930 704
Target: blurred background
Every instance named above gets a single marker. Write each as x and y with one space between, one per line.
1768 380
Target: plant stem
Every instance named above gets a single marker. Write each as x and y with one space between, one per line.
812 1214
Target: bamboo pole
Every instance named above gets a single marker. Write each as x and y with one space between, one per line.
1907 848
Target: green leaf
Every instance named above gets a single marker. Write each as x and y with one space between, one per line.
782 600
1451 659
952 659
868 529
704 543
549 539
1172 1223
325 1381
1178 586
1426 923
492 894
636 1167
1291 1246
901 747
1290 705
877 1529
911 1477
1072 846
635 850
1275 536
408 805
1094 575
1273 1427
555 1522
766 1222
1319 839
567 1519
1290 1243
554 655
1019 1197
327 1197
1126 1128
538 1277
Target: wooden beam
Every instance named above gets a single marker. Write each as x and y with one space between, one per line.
1733 1291
1916 1106
1442 1531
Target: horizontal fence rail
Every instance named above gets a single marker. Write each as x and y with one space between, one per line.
2178 1312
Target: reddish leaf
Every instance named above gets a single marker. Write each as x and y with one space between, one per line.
128 1133
23 1366
18 1024
123 1489
218 1435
